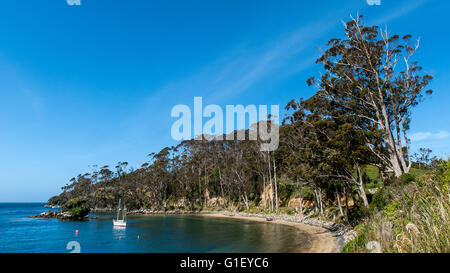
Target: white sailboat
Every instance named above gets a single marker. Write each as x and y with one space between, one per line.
120 222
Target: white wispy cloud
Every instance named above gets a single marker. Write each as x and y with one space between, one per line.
239 69
235 72
254 67
73 2
422 136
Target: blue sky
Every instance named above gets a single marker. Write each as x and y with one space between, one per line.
95 83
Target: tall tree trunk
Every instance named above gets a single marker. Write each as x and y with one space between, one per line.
271 186
395 158
384 176
320 201
206 189
265 195
316 200
338 198
300 196
275 180
362 194
346 202
408 150
200 185
221 187
360 184
246 200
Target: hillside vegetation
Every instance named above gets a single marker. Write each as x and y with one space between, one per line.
343 155
411 215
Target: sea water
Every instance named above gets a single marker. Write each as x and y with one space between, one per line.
156 233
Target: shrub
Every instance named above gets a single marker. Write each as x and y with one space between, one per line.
357 213
358 243
79 212
406 179
57 200
379 199
307 194
77 207
414 217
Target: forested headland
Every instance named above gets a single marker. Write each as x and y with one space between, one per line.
344 155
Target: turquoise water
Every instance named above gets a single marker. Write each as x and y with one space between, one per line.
159 234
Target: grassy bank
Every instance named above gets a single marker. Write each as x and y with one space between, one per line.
410 215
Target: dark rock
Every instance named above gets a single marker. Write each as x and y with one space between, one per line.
62 215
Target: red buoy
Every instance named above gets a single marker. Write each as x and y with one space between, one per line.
76 232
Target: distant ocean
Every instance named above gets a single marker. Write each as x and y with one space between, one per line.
158 234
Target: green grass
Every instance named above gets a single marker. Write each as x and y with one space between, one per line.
414 217
374 174
417 172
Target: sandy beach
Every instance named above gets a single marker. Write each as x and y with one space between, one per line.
324 236
322 240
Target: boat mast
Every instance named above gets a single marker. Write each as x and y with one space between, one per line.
118 211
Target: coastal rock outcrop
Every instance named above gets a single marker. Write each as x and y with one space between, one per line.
48 214
58 215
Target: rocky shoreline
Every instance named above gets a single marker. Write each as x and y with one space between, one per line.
339 234
51 207
58 215
341 231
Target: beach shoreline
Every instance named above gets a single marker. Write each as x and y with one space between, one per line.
326 237
322 240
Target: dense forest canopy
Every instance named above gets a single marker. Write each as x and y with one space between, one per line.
359 117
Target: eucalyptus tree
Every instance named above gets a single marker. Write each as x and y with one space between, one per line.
219 164
259 164
370 75
423 157
161 176
293 139
185 173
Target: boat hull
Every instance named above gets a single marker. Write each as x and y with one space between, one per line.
119 223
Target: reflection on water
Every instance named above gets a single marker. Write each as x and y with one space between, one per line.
157 233
204 234
119 232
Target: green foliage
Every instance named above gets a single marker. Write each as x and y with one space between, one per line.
442 172
369 182
79 212
197 207
289 211
307 194
287 189
357 213
171 203
373 173
75 202
379 199
330 143
446 172
77 207
409 216
358 243
390 210
57 200
406 178
417 172
251 196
